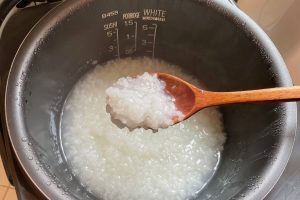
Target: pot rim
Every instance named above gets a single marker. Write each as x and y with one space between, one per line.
17 76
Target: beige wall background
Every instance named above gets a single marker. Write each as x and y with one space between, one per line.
280 19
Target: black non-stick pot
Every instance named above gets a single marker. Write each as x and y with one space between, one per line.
212 40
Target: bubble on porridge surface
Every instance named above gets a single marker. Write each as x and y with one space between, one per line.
116 163
142 101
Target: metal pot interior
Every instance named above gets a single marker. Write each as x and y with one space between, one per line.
215 42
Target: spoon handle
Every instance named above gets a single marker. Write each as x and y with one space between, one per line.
261 95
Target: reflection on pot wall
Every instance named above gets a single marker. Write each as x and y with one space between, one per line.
280 20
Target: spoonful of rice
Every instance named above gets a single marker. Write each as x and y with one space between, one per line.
159 100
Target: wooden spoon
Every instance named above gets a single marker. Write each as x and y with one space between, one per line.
190 99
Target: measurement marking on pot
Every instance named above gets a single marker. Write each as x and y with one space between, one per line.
154 38
128 37
131 15
154 15
113 46
148 38
135 36
110 25
118 46
109 14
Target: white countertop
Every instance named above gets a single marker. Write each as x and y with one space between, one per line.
280 20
